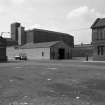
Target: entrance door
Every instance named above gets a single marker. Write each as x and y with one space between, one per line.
61 53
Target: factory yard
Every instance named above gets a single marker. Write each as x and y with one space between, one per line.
52 83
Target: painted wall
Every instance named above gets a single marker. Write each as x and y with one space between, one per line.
12 52
30 53
37 53
41 53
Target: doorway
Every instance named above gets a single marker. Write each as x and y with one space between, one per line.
61 53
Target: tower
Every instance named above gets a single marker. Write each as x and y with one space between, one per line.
18 33
21 36
14 31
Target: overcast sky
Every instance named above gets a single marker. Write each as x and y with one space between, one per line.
69 16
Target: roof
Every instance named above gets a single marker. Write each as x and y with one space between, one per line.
48 31
39 45
100 22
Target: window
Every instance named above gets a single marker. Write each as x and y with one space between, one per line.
97 35
94 35
101 34
100 50
42 53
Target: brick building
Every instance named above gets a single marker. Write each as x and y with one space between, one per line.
3 57
98 39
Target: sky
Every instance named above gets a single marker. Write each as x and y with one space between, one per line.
74 17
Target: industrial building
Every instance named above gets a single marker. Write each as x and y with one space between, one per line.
22 36
39 43
40 35
98 39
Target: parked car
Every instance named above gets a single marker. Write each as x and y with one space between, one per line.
17 58
23 57
20 57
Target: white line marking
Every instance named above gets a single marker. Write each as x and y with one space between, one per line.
18 67
49 79
77 97
11 80
52 68
25 96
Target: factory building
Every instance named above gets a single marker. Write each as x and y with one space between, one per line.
22 36
40 35
40 44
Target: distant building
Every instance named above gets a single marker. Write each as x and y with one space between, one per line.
3 56
98 39
38 35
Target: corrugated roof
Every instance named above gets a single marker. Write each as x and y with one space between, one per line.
39 45
99 23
